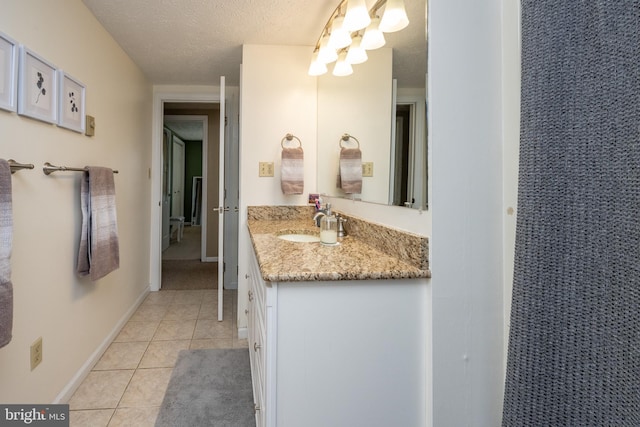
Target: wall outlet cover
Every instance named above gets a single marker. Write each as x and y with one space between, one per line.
367 168
266 169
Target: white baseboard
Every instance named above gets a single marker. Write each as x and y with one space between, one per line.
211 259
243 333
65 395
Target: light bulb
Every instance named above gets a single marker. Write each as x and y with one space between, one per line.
373 37
342 67
356 53
357 16
395 17
339 35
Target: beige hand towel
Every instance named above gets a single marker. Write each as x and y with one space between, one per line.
351 170
99 252
292 171
6 240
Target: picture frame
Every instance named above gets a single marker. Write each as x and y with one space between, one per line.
8 73
71 104
37 87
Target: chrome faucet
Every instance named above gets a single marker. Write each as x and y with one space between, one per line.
318 215
322 212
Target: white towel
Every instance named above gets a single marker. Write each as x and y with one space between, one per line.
292 170
351 170
6 240
99 252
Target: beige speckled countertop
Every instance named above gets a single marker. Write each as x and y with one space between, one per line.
352 259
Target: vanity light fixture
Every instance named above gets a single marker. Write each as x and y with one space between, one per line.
394 18
340 36
326 54
353 32
342 68
356 53
357 16
317 67
373 38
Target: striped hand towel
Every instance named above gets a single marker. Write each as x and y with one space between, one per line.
99 252
351 170
292 170
6 240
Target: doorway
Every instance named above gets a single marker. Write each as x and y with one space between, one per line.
186 180
211 96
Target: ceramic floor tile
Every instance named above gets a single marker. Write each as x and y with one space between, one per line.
150 312
188 297
212 343
213 329
163 354
208 311
90 418
101 390
182 312
159 297
175 330
137 331
138 417
121 355
210 296
146 388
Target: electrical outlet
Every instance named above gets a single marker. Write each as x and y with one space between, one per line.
266 169
367 168
36 353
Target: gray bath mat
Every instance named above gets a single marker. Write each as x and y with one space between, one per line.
574 345
209 387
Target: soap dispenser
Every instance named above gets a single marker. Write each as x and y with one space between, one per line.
329 228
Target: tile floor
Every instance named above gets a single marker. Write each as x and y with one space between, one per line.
127 385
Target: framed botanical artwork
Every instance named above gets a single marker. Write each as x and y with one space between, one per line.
37 87
8 73
71 102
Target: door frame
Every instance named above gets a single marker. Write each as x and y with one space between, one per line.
160 97
204 121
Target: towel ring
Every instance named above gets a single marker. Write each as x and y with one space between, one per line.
346 137
289 137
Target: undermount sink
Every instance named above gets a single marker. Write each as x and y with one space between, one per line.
299 237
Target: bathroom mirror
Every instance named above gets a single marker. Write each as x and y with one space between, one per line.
362 105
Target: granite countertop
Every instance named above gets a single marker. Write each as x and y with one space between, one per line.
352 259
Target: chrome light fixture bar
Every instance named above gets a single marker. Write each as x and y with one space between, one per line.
351 30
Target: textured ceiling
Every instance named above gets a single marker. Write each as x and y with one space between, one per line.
195 42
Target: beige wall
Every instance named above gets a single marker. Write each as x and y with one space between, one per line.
74 316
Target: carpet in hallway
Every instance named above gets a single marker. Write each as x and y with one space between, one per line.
209 387
189 274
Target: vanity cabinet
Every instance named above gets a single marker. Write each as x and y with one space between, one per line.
338 353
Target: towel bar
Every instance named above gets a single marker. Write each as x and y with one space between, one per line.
15 166
49 169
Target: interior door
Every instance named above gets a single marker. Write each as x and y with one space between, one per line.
221 199
166 192
177 177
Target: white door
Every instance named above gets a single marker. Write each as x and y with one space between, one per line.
221 200
166 191
177 177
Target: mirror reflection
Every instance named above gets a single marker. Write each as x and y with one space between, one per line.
383 105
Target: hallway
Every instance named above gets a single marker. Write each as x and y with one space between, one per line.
126 386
